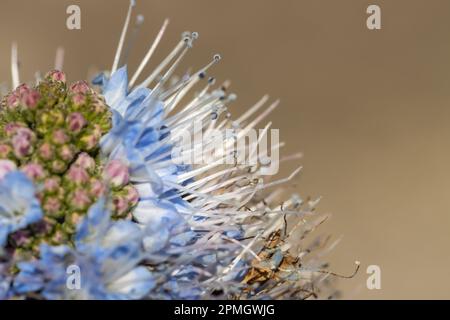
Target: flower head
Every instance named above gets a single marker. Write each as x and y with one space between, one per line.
115 187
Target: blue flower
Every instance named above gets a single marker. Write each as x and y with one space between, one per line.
19 206
107 254
139 136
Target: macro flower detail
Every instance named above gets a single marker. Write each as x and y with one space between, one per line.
107 254
51 133
105 180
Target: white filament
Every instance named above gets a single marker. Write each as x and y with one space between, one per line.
59 58
149 53
122 37
15 66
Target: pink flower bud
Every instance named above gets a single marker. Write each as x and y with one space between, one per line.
76 122
97 188
58 166
52 184
77 175
90 140
22 142
99 105
60 137
12 127
27 133
56 75
6 166
66 152
78 99
80 199
22 89
12 101
52 205
117 173
31 99
80 87
5 150
132 195
46 151
34 171
85 161
120 205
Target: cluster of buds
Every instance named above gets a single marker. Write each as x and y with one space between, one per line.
51 133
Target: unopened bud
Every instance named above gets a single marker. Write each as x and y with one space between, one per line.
97 188
58 166
90 140
66 152
80 87
56 75
30 99
80 199
79 99
52 205
22 89
132 195
77 174
34 171
85 161
121 205
60 137
51 185
5 151
76 122
46 151
12 101
116 172
22 142
12 127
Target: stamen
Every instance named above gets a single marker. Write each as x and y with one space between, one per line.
241 255
201 73
149 53
295 156
172 68
253 109
186 40
15 66
59 58
191 81
259 118
132 39
38 77
122 37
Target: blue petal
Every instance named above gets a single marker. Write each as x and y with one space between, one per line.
19 206
117 87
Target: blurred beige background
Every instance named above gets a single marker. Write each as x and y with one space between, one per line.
369 109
